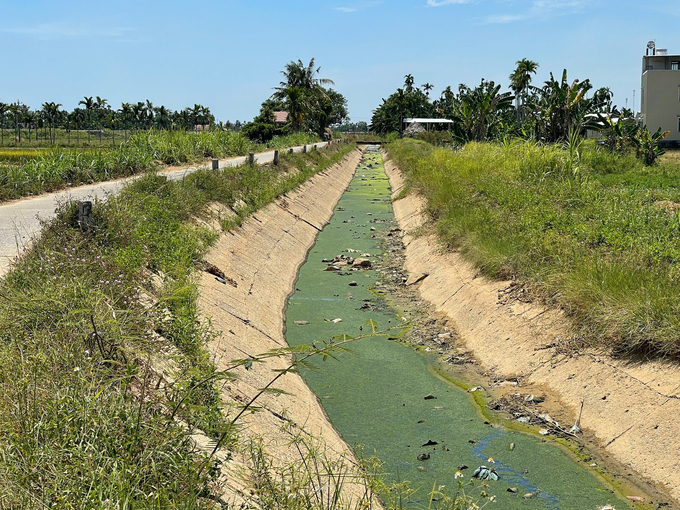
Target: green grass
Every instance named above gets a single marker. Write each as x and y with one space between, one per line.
54 169
101 345
593 231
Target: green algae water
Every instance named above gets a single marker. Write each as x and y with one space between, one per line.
374 395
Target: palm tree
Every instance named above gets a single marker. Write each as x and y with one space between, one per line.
139 113
162 117
304 93
111 121
408 82
296 74
520 79
4 108
100 108
149 114
125 112
29 118
52 112
88 103
427 87
298 106
15 110
78 117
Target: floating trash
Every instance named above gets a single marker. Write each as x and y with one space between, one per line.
484 473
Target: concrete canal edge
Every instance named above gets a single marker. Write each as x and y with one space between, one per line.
261 260
632 410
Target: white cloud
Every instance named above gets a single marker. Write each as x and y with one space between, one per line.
541 9
439 3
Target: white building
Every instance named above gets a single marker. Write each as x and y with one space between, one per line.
660 98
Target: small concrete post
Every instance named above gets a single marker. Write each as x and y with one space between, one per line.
251 158
276 157
304 149
290 151
85 215
215 164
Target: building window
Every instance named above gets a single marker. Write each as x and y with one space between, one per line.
675 66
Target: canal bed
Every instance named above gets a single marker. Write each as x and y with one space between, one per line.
375 395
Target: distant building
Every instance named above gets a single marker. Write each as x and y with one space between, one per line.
280 117
660 98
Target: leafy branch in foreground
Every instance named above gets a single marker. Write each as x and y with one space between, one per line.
301 354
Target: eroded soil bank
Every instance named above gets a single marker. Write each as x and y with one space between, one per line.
630 410
260 261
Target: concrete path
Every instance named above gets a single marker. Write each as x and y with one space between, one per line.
20 219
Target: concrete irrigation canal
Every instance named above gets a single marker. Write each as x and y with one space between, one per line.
385 395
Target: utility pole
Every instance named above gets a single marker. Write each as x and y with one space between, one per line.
633 101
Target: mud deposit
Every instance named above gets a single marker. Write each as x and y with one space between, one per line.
395 399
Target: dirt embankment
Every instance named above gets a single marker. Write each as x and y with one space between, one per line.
260 261
632 409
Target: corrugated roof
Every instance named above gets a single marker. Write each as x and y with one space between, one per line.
429 121
281 117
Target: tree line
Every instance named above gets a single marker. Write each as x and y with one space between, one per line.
95 113
546 113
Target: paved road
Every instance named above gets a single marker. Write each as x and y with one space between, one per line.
20 220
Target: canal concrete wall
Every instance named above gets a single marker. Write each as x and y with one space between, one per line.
632 409
260 260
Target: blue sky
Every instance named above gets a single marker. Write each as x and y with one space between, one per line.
228 54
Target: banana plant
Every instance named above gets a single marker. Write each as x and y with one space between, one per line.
624 134
478 113
646 144
563 106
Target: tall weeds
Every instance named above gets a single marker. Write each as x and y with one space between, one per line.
104 372
595 230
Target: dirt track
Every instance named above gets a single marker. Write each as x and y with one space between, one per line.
632 409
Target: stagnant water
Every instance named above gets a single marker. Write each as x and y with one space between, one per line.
375 395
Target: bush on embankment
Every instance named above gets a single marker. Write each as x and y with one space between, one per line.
104 371
144 151
595 231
